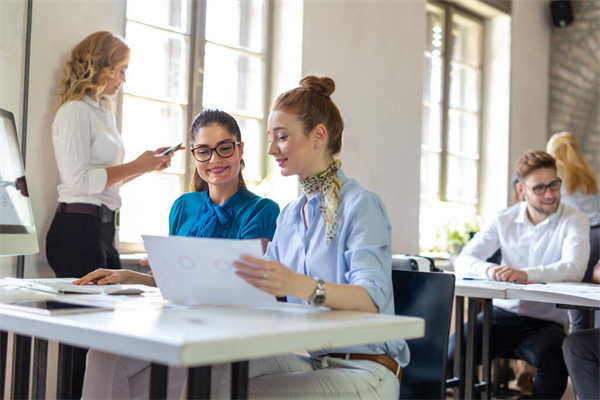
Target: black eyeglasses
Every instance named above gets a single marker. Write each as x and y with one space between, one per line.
541 189
224 150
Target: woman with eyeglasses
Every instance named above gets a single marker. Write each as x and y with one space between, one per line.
218 206
580 191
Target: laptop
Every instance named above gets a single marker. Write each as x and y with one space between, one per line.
199 271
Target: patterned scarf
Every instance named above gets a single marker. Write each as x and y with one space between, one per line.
328 182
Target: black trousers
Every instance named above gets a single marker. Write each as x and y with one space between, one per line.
77 244
582 356
534 340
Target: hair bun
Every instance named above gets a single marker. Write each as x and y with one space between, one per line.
322 85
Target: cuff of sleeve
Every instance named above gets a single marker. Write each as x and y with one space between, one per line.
97 178
533 274
483 271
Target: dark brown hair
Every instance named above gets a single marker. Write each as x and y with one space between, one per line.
532 160
312 103
207 118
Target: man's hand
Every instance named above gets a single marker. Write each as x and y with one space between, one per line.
506 273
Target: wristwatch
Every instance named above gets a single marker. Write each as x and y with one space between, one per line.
318 297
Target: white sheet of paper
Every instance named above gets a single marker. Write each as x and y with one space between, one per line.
200 271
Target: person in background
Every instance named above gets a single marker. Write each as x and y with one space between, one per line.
89 154
218 206
580 191
581 351
540 240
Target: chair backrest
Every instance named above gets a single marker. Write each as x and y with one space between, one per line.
428 295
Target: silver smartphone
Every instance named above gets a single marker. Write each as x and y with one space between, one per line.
170 149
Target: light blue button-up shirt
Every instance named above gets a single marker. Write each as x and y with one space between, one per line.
359 254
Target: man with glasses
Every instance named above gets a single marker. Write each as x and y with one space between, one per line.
541 240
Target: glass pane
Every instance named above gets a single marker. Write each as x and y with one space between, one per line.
432 122
433 75
252 133
159 64
465 88
430 178
463 133
435 27
461 179
171 14
147 201
467 40
148 125
237 23
233 81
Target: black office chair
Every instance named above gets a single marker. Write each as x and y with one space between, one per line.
428 295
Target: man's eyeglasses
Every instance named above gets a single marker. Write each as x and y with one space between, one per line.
224 150
541 189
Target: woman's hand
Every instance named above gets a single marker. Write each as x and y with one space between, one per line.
274 278
150 161
115 276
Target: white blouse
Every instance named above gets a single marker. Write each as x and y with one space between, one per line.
588 203
86 141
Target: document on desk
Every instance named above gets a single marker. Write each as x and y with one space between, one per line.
199 271
585 290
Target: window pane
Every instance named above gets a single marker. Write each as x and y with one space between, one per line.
462 180
432 121
171 14
146 211
158 65
233 81
433 85
237 23
252 133
463 133
467 40
465 89
430 169
148 125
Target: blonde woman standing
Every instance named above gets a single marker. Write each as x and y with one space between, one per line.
89 155
580 191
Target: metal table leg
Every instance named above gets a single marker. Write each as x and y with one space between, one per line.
159 375
40 362
473 305
65 372
485 348
21 364
3 367
239 380
199 382
459 359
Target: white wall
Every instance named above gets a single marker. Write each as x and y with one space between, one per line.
530 60
374 52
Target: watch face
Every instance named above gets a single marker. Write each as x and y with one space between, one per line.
318 300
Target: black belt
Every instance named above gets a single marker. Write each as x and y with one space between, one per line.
102 212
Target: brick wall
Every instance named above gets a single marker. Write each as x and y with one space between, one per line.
575 79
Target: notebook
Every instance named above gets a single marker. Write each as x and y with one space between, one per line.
199 270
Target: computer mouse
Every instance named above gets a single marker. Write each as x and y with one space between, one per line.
124 291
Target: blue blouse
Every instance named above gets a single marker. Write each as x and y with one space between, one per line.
359 254
243 216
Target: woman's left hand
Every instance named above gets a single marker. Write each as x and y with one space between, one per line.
273 277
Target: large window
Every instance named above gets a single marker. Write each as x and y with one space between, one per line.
186 56
451 134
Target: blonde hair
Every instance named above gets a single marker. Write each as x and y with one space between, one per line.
572 167
95 59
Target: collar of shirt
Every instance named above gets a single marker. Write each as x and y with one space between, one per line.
91 102
521 217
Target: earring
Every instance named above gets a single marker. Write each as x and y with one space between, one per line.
316 146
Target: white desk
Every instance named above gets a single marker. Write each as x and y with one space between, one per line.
192 337
482 291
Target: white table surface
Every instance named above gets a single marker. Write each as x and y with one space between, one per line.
179 336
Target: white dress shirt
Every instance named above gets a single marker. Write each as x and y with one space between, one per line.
86 141
557 249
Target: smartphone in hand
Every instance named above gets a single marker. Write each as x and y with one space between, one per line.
170 149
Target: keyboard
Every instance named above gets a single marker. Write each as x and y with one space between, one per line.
65 286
